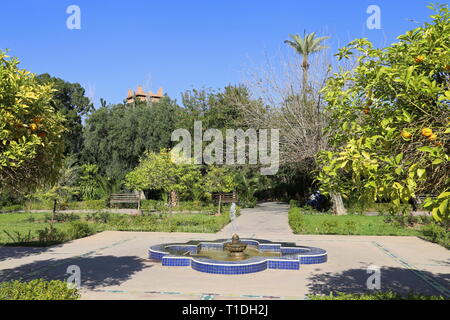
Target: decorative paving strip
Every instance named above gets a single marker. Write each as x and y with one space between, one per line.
202 296
426 278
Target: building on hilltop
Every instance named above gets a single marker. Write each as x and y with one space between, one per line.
140 95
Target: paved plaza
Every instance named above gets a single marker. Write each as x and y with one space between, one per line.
115 265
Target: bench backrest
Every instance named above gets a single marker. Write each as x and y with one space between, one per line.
225 197
124 198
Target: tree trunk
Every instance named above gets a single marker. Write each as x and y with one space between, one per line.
173 199
54 210
220 202
338 204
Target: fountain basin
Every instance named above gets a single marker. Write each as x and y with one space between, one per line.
211 257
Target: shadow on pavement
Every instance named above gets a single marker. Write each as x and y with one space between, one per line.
399 280
96 271
7 252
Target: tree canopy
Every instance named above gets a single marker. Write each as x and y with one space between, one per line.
390 131
31 130
116 136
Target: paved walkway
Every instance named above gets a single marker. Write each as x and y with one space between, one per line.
265 219
114 265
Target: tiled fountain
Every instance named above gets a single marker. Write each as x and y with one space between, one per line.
236 256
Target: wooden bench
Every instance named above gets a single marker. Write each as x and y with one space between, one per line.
125 198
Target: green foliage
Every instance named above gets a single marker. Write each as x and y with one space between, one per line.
216 109
69 100
296 220
390 132
304 221
30 130
219 179
79 229
64 188
89 184
38 289
116 136
99 217
437 234
50 235
159 172
170 223
378 295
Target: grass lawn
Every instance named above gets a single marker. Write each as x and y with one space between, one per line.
347 225
25 223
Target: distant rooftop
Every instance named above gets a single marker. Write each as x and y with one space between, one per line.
141 95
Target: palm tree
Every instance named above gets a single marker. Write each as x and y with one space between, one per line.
306 46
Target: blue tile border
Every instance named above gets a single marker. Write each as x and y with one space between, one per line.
292 256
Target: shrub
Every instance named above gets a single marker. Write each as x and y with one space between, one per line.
17 237
11 208
386 295
293 203
296 220
38 289
99 217
61 217
50 235
437 234
79 229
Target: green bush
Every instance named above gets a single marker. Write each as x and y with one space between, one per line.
61 217
437 234
79 229
386 295
11 208
38 289
296 220
50 235
293 203
99 217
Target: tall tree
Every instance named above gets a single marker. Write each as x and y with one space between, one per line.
30 130
306 46
116 136
70 100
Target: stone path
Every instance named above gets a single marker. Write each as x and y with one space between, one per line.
114 265
265 219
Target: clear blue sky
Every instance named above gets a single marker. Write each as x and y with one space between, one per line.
180 45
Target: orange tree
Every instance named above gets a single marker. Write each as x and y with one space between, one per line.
30 131
390 131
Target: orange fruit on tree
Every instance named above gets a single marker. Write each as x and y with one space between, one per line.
406 134
427 132
33 127
419 59
433 137
37 120
366 110
42 134
447 67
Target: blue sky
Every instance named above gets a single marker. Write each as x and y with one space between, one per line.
180 45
